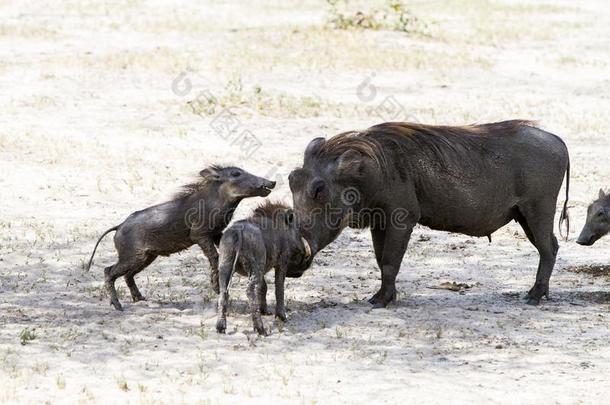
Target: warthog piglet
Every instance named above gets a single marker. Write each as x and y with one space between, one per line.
196 215
268 239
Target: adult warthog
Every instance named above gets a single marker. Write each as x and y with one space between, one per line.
468 179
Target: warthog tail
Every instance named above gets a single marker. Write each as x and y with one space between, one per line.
565 217
237 251
228 259
114 228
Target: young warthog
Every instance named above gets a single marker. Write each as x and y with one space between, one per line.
472 180
196 215
268 239
598 220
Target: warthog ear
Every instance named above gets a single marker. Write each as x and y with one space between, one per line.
349 162
601 193
211 173
313 148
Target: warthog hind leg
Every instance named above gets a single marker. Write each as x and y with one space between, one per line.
537 223
224 279
129 279
254 290
121 268
263 298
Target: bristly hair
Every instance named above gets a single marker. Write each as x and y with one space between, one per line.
207 177
357 141
269 209
377 141
432 133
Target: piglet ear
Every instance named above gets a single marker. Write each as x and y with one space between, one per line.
313 148
601 193
211 173
349 162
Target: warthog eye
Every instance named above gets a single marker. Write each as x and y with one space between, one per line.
235 174
316 188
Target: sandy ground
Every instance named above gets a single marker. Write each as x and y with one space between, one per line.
109 107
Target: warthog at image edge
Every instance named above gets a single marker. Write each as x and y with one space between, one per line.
598 220
251 247
196 215
466 179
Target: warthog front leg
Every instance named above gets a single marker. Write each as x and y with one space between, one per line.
394 247
280 308
206 243
378 237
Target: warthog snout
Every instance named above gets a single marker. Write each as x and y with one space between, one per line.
586 240
266 187
598 220
297 268
248 185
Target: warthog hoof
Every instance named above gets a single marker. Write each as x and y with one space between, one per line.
221 325
282 317
138 298
534 296
375 298
382 299
116 304
259 328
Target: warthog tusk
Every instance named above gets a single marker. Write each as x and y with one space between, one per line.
307 247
